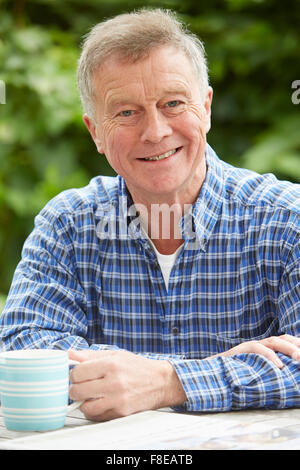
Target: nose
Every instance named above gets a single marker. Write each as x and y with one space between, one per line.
156 127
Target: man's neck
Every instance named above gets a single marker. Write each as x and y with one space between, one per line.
162 225
160 215
167 247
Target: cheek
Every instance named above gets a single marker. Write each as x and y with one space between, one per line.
199 113
121 140
110 138
202 117
107 134
117 143
193 125
200 120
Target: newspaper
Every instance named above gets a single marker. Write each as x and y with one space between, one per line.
161 430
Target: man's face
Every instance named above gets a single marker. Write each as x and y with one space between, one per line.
148 109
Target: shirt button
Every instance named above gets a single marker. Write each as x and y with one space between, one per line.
175 330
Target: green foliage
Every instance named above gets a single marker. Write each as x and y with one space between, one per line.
252 48
2 302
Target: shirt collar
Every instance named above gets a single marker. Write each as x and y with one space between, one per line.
205 211
207 207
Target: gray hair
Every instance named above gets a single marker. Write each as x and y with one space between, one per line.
132 36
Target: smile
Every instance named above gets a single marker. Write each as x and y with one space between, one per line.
162 156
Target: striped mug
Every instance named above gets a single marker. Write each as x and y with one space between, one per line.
34 386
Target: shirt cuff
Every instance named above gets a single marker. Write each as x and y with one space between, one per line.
204 383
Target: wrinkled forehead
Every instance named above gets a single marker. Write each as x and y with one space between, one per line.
165 68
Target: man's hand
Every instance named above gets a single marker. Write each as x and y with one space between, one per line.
118 383
286 344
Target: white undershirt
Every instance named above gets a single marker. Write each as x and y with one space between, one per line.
166 262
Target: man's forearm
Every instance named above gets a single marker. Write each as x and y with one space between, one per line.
173 393
239 382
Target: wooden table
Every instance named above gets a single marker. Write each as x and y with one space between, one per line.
164 430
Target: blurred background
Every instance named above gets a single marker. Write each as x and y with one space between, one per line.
253 49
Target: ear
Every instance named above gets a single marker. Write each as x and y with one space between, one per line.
93 131
207 106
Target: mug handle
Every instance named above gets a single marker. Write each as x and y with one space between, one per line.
76 404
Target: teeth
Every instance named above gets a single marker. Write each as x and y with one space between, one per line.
161 157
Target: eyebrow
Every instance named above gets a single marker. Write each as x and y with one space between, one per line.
115 102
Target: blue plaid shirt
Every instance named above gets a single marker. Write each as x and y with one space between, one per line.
236 279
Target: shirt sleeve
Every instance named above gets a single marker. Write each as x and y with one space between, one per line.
238 382
47 304
249 380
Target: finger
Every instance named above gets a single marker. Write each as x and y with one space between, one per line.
105 415
102 409
268 353
88 370
94 369
256 347
80 356
87 390
291 339
282 345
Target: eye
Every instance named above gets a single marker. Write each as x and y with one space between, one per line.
126 113
173 104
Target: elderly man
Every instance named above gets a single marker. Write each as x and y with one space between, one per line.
176 282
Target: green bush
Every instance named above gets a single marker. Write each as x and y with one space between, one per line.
252 48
